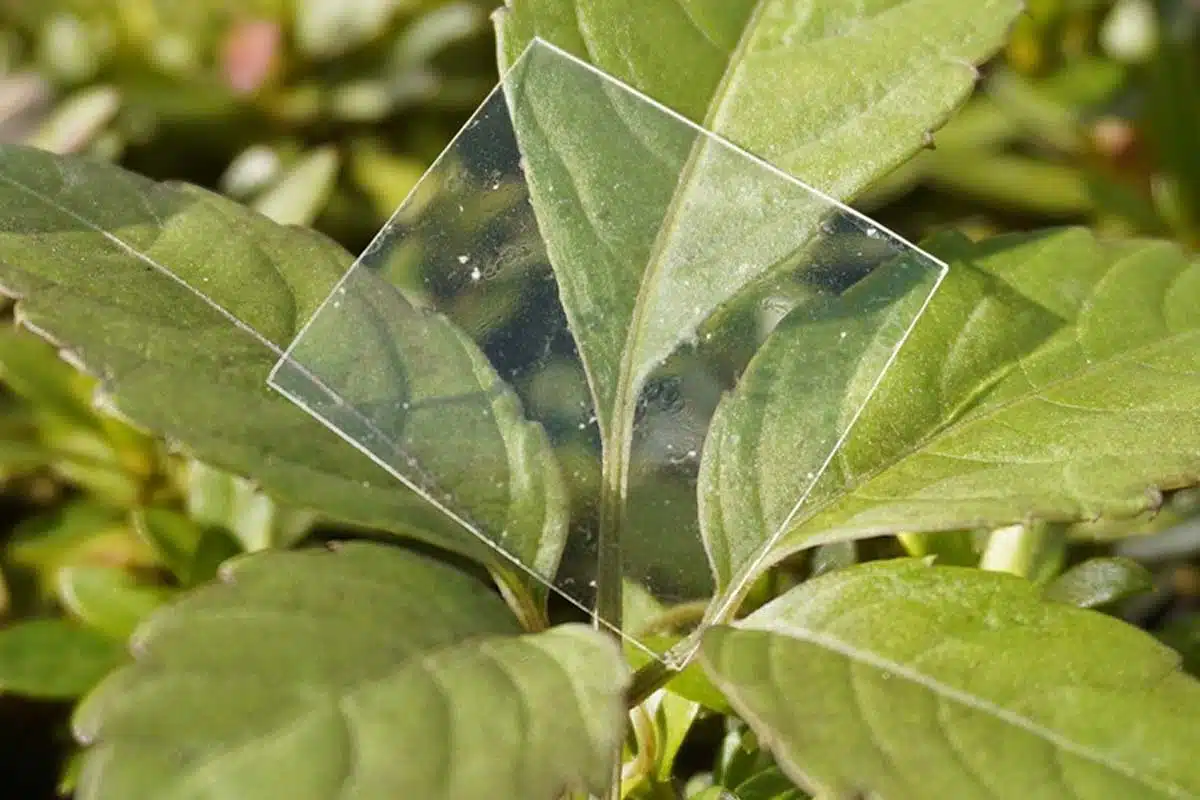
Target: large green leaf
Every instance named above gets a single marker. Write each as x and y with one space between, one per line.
102 262
651 228
363 673
55 659
642 254
1053 376
901 680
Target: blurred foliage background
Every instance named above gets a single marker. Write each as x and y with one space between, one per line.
325 113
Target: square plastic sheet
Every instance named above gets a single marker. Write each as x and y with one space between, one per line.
538 339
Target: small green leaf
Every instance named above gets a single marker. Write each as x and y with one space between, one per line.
770 784
366 672
1099 582
215 547
1053 377
108 599
673 719
220 499
329 28
31 368
54 659
301 193
77 533
889 679
173 536
1183 635
78 120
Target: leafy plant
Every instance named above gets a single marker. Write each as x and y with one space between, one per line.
1052 387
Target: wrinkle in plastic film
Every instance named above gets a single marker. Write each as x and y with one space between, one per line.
561 304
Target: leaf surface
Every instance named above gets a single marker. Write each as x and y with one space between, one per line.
363 673
54 659
660 228
902 680
105 262
1053 377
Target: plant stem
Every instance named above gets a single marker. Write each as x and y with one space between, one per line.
1014 549
609 566
612 527
646 681
530 613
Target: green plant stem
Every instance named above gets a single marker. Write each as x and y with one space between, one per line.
1014 549
609 577
530 613
609 598
646 681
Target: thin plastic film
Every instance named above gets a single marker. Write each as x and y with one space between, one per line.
539 338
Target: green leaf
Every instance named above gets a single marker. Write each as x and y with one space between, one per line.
1053 377
865 82
770 784
53 659
215 547
365 672
102 261
441 410
76 533
1183 635
108 599
866 86
173 536
673 719
217 498
32 370
907 681
1099 582
689 683
300 194
948 548
192 552
326 29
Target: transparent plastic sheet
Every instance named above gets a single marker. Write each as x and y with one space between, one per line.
538 339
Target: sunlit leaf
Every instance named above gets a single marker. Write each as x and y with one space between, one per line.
1053 377
907 681
105 264
366 672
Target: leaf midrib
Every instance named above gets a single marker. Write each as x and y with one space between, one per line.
950 693
626 374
